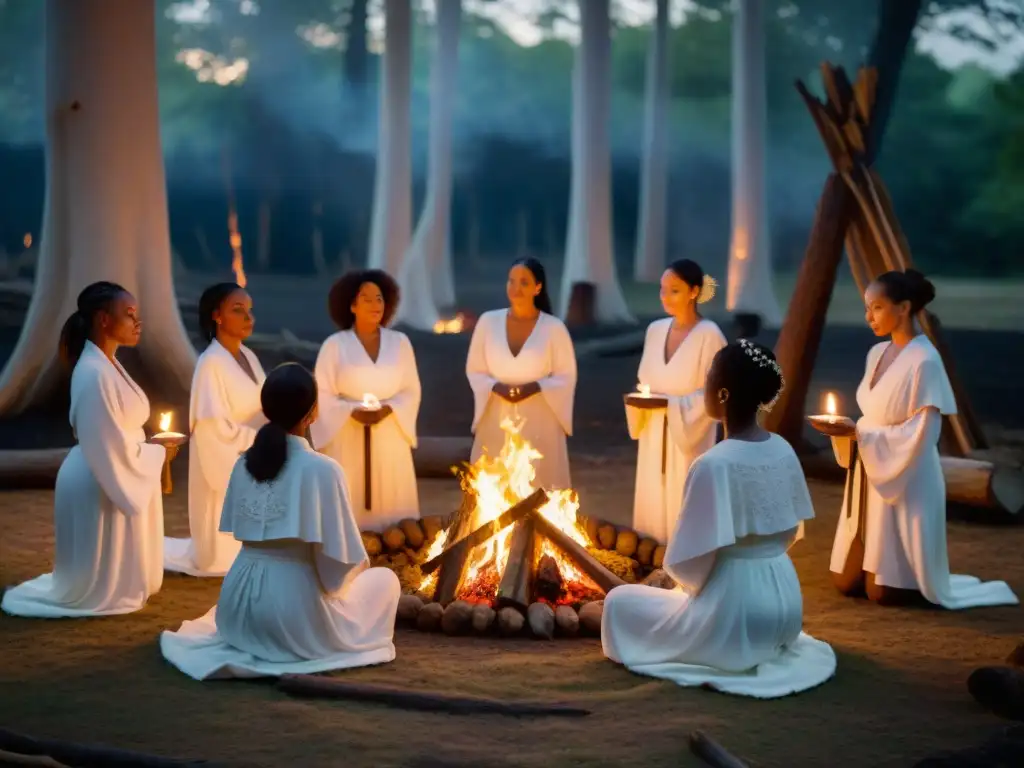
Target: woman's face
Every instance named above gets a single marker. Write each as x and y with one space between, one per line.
121 323
883 316
234 317
522 287
676 294
368 307
713 406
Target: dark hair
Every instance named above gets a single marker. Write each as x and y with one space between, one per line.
346 288
910 286
288 395
209 303
690 272
95 298
749 371
542 300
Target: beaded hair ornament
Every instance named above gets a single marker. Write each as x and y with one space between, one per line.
763 361
707 289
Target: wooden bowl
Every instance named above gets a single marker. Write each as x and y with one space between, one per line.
169 438
843 426
650 402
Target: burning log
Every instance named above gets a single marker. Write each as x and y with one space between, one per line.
548 584
517 580
452 561
604 578
332 688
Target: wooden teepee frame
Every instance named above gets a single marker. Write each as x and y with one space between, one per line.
854 211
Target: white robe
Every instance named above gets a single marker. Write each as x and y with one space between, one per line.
897 443
344 373
683 430
299 597
108 509
547 358
734 622
224 415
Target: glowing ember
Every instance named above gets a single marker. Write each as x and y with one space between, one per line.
496 484
452 325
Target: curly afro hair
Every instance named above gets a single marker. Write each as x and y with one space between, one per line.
346 288
751 375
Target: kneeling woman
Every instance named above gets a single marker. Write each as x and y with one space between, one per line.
734 620
299 597
891 538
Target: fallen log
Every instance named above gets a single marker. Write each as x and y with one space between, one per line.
89 756
713 753
979 483
585 561
312 686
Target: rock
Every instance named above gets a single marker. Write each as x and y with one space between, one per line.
567 621
542 620
645 551
626 543
510 622
432 526
429 619
394 538
606 536
590 617
483 618
372 543
409 607
457 618
659 579
659 556
413 532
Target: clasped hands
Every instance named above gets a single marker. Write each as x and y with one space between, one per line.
369 417
515 393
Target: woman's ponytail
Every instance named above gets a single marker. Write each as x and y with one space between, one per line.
269 451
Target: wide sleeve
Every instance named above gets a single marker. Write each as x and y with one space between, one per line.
340 553
126 468
558 388
890 453
637 419
688 421
405 404
477 372
333 410
217 439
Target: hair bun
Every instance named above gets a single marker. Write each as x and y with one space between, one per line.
707 290
922 287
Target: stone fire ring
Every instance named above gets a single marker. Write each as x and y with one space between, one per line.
403 548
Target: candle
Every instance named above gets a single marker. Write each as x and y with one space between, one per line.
644 390
165 428
830 407
370 402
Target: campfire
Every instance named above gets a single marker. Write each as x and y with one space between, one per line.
514 546
455 324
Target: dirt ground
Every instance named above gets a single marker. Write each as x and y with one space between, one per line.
899 693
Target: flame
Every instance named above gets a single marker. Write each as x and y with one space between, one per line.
27 240
165 421
452 325
643 389
499 483
235 238
830 404
370 402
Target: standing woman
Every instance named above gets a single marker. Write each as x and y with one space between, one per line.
521 362
365 358
108 510
224 414
677 355
891 538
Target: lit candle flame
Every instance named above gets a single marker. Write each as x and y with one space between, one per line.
830 404
643 389
370 402
165 421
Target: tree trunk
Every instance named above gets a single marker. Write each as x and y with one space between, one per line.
750 290
105 215
356 54
589 257
650 259
427 277
392 188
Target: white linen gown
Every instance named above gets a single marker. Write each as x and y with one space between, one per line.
108 508
224 415
298 598
344 373
683 430
734 622
897 442
547 358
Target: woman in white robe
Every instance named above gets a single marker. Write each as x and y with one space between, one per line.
299 597
675 429
734 620
108 508
522 367
224 414
891 537
369 400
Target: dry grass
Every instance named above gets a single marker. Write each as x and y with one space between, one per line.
899 693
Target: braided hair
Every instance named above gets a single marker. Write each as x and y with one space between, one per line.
94 298
750 374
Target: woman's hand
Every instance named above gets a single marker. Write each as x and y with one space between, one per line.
516 393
